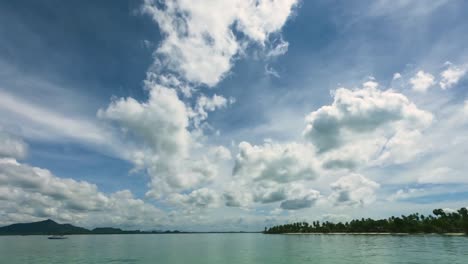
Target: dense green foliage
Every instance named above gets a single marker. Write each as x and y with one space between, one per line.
440 222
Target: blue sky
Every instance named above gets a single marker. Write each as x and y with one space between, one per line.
231 114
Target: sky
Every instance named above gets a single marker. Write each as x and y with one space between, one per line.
231 114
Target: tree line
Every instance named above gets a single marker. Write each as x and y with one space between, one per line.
440 222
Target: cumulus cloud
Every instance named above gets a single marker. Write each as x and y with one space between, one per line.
31 193
300 197
75 195
12 147
200 38
220 152
371 84
353 190
158 129
273 172
403 194
180 174
422 81
200 198
292 196
275 162
366 125
451 76
199 42
269 192
236 195
207 104
160 122
396 76
245 193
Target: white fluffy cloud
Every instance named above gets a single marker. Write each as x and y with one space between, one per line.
159 131
451 76
292 196
200 198
11 146
199 37
299 197
403 194
199 42
207 104
366 125
276 162
396 76
269 192
221 153
237 195
161 122
273 172
79 196
31 193
353 190
422 81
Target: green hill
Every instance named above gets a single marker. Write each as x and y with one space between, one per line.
47 227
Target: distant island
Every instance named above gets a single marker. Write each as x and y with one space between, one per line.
50 227
441 222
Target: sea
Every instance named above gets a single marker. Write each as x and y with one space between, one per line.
235 248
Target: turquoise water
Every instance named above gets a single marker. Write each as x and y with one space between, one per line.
234 248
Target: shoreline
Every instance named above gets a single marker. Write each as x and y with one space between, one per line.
374 234
141 233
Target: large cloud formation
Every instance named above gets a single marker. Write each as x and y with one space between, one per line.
200 38
161 122
199 42
366 125
159 130
273 172
362 127
201 198
275 162
30 193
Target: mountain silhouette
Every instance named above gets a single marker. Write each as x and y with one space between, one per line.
46 227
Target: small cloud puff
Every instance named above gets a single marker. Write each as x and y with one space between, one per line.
422 81
451 76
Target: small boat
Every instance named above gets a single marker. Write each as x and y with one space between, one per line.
57 237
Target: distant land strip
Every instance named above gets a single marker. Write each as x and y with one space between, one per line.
441 222
50 227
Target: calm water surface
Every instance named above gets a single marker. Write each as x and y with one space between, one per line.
234 248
